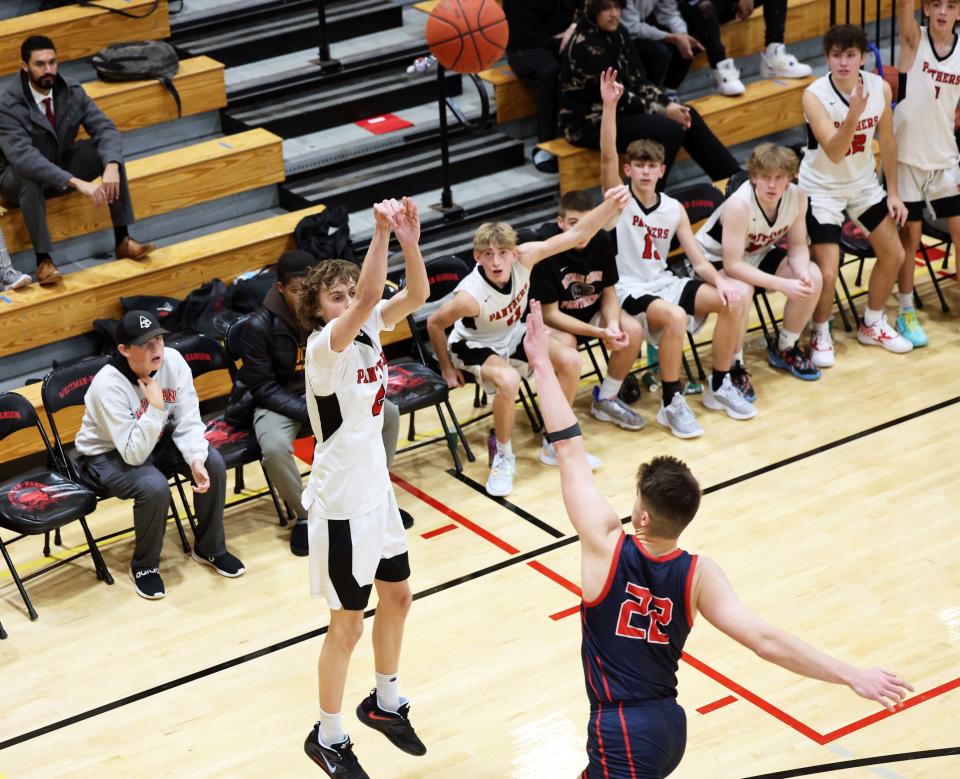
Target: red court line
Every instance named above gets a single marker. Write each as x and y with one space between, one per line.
439 531
458 518
566 583
717 705
565 613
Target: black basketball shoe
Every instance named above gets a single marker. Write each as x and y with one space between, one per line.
337 761
395 726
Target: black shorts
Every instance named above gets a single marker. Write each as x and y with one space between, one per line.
830 233
469 355
687 300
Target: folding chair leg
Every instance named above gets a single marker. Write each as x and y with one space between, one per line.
850 301
933 277
451 441
595 364
186 506
537 423
841 311
176 518
411 429
686 368
46 544
762 318
462 437
860 272
281 510
3 633
917 300
238 483
56 537
696 358
103 573
16 578
773 318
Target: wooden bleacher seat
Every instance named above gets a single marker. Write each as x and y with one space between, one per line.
134 104
766 107
81 32
166 182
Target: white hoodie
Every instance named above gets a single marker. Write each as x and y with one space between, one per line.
118 417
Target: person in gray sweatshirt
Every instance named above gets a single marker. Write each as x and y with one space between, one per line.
141 418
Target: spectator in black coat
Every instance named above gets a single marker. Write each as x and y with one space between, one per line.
539 33
598 43
270 388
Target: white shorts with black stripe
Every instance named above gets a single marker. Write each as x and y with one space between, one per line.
346 555
938 190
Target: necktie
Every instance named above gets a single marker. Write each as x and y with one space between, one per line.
48 107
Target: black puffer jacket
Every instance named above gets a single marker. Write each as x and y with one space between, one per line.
273 349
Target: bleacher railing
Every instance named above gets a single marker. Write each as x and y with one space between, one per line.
846 13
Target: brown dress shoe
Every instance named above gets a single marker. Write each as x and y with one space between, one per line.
47 273
129 249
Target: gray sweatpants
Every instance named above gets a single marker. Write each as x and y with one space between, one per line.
150 492
276 434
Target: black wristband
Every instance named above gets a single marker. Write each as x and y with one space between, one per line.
561 435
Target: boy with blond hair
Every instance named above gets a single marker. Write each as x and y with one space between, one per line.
486 313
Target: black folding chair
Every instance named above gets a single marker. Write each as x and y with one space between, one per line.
938 230
204 355
41 499
65 387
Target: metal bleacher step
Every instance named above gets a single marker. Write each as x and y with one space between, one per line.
240 35
403 171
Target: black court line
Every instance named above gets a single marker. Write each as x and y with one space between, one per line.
859 762
508 563
522 513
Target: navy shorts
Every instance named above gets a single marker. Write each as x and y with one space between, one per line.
638 740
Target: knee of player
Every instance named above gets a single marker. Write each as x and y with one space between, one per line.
676 321
508 381
397 599
347 629
632 328
816 276
567 359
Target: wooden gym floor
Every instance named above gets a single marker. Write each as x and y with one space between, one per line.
834 513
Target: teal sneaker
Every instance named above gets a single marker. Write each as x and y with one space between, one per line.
908 325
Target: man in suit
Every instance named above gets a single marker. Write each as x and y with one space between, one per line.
40 115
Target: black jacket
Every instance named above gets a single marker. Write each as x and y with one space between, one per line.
34 149
533 23
272 347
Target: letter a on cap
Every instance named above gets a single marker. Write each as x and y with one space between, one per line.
145 323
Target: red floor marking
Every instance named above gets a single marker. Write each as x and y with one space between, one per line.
717 705
458 518
439 531
565 613
540 567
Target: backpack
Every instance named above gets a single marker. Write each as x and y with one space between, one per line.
326 235
247 292
138 60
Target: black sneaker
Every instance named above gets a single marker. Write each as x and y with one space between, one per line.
407 519
740 378
299 543
337 761
794 361
395 726
148 583
224 564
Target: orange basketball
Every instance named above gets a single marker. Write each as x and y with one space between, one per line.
467 36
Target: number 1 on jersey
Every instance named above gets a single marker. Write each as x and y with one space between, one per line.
649 250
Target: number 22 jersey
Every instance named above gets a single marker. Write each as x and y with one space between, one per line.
345 392
858 167
634 632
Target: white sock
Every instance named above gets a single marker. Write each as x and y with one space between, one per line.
609 388
388 692
821 327
787 339
871 317
906 301
506 449
738 358
331 729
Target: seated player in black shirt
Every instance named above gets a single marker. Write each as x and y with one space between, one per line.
576 291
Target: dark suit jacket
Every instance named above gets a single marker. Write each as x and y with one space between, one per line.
34 149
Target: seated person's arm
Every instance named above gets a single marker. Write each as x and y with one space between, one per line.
704 269
558 320
416 289
188 427
459 306
735 218
835 142
25 159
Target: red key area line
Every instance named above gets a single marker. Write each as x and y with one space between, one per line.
717 705
775 712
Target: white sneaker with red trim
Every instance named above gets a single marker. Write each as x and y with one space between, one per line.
881 334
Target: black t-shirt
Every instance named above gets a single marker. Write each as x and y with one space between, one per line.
575 279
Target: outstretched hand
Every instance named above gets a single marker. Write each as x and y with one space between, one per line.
621 195
536 342
611 90
385 214
407 223
878 685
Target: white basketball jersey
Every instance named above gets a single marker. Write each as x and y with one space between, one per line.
500 309
643 243
345 393
762 233
817 171
924 118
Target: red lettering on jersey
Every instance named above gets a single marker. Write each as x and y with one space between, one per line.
757 241
511 312
169 395
659 612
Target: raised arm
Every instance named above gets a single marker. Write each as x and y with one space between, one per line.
909 33
715 598
888 160
592 516
835 142
459 306
416 288
532 252
373 274
611 91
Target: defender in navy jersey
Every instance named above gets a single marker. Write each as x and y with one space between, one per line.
356 536
641 594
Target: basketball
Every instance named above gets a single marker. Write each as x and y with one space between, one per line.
467 36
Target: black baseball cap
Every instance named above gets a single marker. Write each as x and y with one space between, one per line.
294 263
138 327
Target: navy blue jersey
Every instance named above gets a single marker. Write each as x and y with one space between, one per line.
634 632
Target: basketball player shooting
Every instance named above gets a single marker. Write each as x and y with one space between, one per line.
640 596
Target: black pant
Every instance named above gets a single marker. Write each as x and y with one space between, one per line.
701 144
540 67
81 160
663 62
704 17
